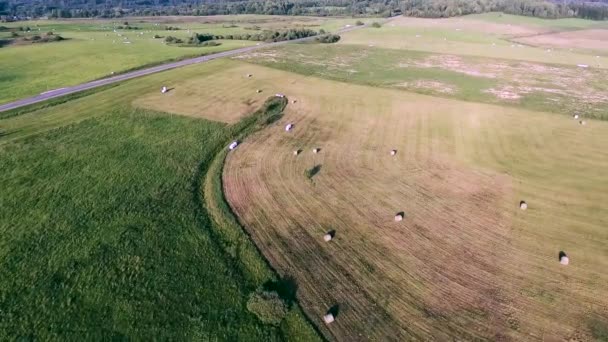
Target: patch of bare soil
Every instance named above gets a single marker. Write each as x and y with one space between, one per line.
435 86
593 39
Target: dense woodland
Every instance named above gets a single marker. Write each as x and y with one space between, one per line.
594 9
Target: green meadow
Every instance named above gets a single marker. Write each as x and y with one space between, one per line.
106 233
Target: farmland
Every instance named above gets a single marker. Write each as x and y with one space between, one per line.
93 50
125 216
105 232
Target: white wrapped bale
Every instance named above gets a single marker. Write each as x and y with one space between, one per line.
329 318
288 127
564 260
233 145
327 237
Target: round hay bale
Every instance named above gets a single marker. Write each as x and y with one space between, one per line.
393 152
294 101
564 260
398 217
249 75
288 127
296 152
583 122
315 150
327 237
258 91
329 318
523 205
575 116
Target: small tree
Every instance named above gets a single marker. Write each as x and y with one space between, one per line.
376 25
321 31
267 306
359 23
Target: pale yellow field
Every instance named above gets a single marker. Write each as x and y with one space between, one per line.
472 37
466 261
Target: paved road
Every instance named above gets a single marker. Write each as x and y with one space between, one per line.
138 73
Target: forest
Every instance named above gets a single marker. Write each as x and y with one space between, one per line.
10 9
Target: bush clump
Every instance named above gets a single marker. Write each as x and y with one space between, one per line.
211 43
328 39
267 306
376 24
359 23
173 40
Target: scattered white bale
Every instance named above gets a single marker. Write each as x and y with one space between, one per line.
233 145
583 122
523 205
296 152
288 127
329 318
163 89
249 75
575 116
258 91
393 152
582 65
327 237
315 150
398 217
279 95
294 101
564 260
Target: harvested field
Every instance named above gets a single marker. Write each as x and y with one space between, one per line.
593 39
539 86
465 262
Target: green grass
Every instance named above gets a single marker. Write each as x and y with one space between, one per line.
564 23
92 50
403 68
104 231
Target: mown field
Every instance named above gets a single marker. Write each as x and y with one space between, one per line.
466 262
546 87
488 35
93 50
107 229
125 212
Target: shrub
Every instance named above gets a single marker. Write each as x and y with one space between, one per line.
328 39
321 31
267 306
172 28
157 36
173 40
376 25
359 23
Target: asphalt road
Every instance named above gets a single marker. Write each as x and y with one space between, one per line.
138 73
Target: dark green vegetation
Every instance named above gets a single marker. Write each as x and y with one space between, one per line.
328 38
596 10
105 234
265 36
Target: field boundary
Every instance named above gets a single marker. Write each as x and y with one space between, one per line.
228 232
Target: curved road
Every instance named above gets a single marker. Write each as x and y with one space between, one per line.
98 83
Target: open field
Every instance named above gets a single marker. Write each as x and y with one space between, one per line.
105 234
465 261
124 216
476 36
552 88
92 50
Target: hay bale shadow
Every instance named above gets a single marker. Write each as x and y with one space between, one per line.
334 310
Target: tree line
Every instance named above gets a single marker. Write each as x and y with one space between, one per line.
589 9
597 10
